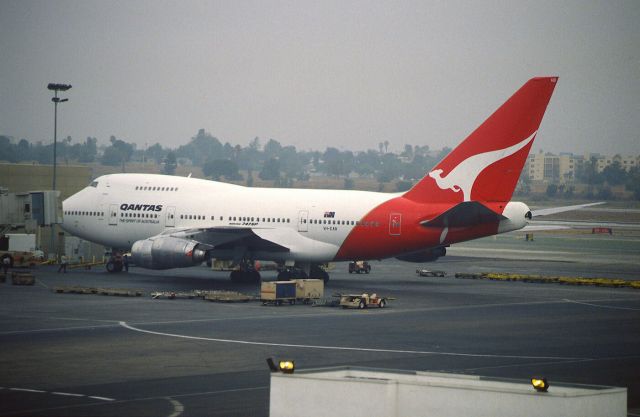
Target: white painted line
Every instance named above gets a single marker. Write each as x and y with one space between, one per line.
56 329
100 398
343 348
225 391
601 306
67 394
178 408
42 284
26 390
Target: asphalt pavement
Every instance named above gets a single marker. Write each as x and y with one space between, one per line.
98 355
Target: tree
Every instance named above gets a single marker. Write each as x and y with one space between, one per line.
7 150
169 164
216 168
614 174
390 168
272 149
250 179
270 170
337 163
403 185
118 153
633 182
156 153
408 152
201 148
552 190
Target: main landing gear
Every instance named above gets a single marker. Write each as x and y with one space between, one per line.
115 263
245 272
313 271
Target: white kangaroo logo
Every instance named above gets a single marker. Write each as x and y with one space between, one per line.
464 175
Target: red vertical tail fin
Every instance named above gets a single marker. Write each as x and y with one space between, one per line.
487 164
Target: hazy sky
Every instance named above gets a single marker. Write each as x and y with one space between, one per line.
314 74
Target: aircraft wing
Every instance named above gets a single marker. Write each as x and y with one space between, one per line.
227 237
273 240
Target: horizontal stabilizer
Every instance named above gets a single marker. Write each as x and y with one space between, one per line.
556 210
469 213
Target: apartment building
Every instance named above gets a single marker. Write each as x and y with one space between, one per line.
562 168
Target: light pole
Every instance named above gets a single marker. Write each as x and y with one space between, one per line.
55 88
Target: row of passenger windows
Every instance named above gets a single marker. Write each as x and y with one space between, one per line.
230 218
282 220
343 222
83 213
236 218
140 215
149 188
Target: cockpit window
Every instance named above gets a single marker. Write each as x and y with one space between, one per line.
94 184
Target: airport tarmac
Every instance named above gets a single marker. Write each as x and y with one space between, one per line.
79 355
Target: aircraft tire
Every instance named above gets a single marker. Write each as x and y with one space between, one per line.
113 267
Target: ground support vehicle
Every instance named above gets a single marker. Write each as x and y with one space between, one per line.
359 267
19 259
362 301
277 292
20 249
22 278
429 273
309 289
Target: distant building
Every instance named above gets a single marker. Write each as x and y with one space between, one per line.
562 168
626 162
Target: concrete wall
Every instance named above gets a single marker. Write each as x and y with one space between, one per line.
358 392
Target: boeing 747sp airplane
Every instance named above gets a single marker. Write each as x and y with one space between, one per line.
172 222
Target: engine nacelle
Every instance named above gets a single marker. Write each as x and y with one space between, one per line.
167 252
428 255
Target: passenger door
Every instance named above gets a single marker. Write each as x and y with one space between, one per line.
170 220
113 215
303 220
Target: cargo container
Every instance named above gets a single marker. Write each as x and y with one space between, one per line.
276 292
309 289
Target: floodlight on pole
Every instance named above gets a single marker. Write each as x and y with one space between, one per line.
55 87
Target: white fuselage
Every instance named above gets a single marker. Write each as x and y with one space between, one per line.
120 209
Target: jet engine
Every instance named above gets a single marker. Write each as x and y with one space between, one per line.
167 252
428 255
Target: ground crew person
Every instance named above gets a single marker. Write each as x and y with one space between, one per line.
6 263
63 264
125 262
